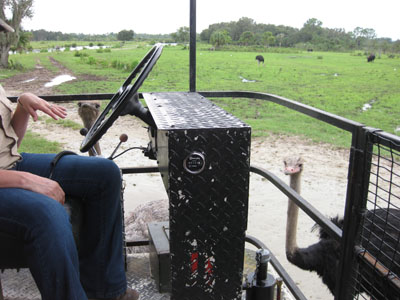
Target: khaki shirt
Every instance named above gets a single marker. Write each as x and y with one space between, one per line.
8 138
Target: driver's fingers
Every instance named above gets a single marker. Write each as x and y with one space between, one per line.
33 113
59 110
58 107
54 111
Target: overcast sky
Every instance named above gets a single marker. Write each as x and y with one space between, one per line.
166 16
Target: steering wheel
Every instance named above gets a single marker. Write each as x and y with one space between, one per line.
120 99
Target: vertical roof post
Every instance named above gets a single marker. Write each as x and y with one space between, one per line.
192 68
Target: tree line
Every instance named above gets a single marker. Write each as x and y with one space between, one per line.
123 35
246 32
312 35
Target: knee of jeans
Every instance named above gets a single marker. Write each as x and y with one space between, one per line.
111 172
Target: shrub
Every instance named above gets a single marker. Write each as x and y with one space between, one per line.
103 63
80 54
15 65
118 45
91 60
115 63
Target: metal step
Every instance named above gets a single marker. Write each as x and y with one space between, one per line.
19 285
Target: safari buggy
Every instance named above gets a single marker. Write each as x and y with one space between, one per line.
203 157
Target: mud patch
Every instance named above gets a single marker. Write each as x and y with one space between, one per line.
35 80
91 77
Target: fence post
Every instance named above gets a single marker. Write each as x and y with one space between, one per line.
192 47
357 190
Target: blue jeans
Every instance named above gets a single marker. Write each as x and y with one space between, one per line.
59 271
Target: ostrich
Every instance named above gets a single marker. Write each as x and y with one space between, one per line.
293 167
323 257
260 59
89 111
371 58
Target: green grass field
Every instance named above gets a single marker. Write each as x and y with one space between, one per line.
340 83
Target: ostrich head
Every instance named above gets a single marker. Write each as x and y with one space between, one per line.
88 111
293 165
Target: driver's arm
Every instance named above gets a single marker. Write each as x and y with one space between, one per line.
28 104
31 182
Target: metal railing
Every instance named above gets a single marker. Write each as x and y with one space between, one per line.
361 154
360 161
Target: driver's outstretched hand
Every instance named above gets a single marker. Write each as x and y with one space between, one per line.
31 103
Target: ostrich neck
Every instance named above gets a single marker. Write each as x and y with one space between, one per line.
295 182
292 216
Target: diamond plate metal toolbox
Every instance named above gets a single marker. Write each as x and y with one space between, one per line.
203 154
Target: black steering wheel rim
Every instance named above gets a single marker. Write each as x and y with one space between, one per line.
121 97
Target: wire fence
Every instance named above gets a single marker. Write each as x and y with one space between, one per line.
376 270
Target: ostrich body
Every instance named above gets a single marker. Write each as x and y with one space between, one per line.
260 59
323 257
89 111
371 58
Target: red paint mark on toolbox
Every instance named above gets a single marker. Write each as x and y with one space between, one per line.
194 261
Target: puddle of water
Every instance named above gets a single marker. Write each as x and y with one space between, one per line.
334 74
246 80
169 44
59 79
62 49
368 105
29 80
